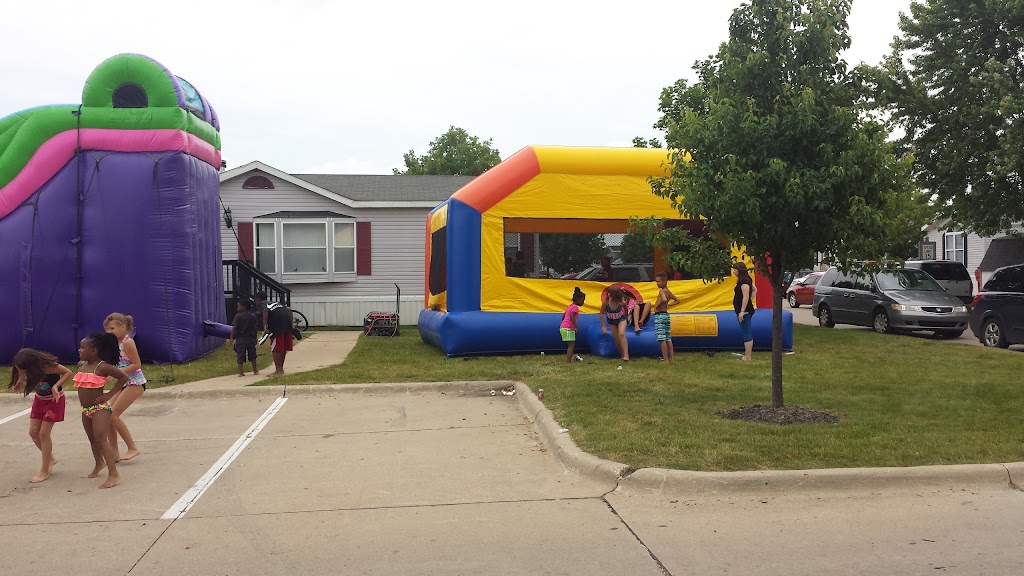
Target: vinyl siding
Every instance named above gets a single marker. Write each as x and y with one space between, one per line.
397 240
977 246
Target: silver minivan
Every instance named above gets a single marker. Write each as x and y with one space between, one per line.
906 299
950 274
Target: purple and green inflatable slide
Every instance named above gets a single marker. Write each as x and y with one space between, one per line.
112 206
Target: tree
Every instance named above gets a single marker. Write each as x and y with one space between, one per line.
636 248
570 252
774 147
641 142
954 84
454 153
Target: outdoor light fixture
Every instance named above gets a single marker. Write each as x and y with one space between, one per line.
227 217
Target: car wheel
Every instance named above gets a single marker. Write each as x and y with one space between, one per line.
992 334
825 317
792 300
951 334
880 322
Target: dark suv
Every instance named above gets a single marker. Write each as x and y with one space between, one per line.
997 315
894 300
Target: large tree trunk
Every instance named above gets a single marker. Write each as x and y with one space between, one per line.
778 295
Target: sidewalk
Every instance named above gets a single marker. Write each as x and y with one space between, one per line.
315 351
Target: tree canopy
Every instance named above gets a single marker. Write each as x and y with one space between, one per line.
570 252
954 84
775 147
453 153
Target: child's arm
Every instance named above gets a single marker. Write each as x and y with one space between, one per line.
600 314
111 372
65 375
234 330
671 299
134 362
18 378
574 318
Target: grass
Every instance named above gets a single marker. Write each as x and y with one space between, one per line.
906 401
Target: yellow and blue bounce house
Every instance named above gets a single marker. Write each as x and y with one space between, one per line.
489 284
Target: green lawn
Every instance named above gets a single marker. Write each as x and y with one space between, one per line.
906 401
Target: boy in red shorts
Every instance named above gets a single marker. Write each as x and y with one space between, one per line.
277 320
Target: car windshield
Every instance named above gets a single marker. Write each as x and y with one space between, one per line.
907 279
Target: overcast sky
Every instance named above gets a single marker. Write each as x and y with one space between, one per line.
348 87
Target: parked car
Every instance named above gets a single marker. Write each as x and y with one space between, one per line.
997 314
906 299
801 292
620 273
950 274
792 277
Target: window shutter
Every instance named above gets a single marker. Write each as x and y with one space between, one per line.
245 238
364 250
965 249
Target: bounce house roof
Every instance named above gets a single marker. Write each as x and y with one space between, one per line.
496 184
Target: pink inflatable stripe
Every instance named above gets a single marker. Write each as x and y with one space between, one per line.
57 151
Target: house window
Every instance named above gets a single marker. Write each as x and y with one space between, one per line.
304 247
266 247
257 183
955 244
345 247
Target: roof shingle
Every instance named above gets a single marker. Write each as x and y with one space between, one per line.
388 188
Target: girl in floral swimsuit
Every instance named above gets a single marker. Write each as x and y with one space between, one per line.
99 354
614 312
128 361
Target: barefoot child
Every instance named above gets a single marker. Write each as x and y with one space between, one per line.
662 321
39 372
128 361
243 336
99 355
613 312
570 323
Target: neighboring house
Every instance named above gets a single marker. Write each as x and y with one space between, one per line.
339 242
980 254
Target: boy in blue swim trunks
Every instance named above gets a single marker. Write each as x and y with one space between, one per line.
662 321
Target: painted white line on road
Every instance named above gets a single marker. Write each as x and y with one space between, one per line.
15 416
192 495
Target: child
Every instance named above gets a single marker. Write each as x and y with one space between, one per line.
570 322
662 321
639 313
39 372
243 336
99 355
128 361
613 309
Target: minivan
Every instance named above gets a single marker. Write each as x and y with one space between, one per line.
905 299
997 315
950 274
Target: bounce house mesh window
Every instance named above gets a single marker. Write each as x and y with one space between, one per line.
130 96
304 248
192 99
438 261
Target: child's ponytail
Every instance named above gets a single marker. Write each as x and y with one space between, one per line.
106 347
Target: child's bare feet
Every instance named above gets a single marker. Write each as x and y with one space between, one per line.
275 374
256 372
96 471
43 475
112 481
240 374
132 453
49 469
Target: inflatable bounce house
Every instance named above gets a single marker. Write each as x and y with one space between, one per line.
112 205
475 305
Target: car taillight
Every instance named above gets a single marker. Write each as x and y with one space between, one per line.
974 303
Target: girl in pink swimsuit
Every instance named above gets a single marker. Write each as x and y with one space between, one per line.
39 372
99 355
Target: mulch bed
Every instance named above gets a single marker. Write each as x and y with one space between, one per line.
783 415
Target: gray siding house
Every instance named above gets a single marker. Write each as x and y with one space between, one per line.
339 242
980 254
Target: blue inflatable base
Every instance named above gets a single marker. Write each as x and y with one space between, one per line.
490 333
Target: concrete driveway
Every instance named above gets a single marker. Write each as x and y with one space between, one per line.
442 479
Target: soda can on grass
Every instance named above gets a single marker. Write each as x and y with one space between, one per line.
540 394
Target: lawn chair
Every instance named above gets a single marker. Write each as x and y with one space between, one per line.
383 323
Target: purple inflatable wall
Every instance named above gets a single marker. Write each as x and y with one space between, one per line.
136 233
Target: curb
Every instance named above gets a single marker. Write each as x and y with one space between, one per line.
686 483
294 390
561 445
